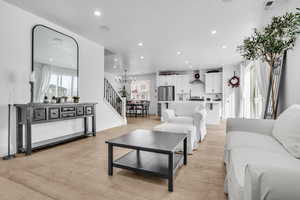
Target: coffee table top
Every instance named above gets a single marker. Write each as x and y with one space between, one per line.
149 140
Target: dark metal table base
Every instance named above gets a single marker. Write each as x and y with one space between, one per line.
152 162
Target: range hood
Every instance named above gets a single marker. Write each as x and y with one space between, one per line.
196 78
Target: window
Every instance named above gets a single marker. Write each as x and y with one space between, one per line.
252 97
140 90
62 85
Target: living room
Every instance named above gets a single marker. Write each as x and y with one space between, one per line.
110 99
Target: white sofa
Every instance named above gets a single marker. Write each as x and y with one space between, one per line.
184 113
262 158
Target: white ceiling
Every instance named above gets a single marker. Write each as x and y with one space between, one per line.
164 26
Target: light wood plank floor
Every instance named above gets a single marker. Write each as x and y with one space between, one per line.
78 170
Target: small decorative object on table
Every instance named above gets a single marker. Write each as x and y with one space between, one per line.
62 99
76 99
65 99
54 99
46 100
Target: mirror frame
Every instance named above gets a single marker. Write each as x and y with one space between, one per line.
32 55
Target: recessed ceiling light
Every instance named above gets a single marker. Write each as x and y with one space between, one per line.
213 32
178 53
191 66
115 66
116 59
97 13
224 47
140 44
187 62
51 59
142 57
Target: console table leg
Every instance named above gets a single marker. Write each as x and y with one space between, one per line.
110 159
170 178
19 130
94 125
185 151
28 138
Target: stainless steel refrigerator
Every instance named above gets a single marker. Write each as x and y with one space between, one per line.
166 93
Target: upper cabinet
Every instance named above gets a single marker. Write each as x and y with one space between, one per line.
213 83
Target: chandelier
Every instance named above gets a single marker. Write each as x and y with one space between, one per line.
124 79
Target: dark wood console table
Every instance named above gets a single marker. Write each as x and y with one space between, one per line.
37 113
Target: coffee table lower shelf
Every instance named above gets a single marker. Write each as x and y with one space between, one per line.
148 163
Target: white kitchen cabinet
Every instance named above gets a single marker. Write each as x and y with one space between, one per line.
162 81
172 79
213 83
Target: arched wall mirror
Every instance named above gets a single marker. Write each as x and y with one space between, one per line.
54 63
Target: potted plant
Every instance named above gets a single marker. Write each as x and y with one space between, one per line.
54 99
270 43
76 99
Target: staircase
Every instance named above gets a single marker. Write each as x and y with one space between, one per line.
112 97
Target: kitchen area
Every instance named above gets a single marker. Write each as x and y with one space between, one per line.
194 88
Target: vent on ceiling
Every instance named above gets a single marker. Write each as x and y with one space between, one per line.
104 28
269 4
108 52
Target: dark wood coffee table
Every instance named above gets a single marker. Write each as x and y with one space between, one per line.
153 154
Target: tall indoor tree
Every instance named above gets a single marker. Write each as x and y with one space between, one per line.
270 43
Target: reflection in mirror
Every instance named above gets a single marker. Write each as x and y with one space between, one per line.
55 64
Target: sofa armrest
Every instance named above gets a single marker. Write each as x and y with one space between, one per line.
168 114
270 183
250 125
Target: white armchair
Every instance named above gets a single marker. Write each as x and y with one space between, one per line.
195 117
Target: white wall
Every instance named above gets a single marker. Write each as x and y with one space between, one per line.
15 66
289 93
111 78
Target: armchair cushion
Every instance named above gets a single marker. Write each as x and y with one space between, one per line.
188 129
287 130
181 120
183 109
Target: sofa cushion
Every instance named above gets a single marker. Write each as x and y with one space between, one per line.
287 130
242 157
239 139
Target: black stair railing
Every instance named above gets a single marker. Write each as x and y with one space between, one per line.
113 97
